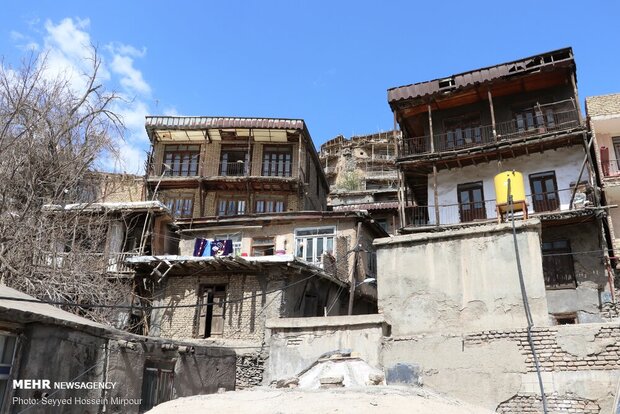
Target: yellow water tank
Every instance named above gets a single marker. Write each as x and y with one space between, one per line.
517 188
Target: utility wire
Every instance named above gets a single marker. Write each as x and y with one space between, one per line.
198 305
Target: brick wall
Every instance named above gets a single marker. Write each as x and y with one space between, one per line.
551 355
529 403
244 318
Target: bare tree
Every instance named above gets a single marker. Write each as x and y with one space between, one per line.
51 135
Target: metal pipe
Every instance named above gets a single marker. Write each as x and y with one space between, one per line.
526 304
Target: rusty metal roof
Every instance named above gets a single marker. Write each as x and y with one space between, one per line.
560 57
203 122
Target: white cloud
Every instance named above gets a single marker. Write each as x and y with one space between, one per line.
68 46
131 78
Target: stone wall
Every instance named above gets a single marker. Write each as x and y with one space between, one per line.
250 370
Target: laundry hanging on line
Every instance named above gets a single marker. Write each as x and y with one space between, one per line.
206 247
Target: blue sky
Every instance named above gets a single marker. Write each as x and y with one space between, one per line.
329 63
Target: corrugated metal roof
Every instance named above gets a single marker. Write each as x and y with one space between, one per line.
366 206
560 57
203 122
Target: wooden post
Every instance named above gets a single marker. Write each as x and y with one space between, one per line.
353 272
492 114
401 181
436 196
577 105
430 128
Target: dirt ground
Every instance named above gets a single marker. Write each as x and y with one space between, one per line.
377 399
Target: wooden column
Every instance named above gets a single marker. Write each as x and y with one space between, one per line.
401 181
492 114
353 273
573 82
436 195
430 128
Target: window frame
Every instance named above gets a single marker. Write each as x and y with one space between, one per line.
263 243
172 200
228 211
303 253
472 213
159 367
543 177
459 130
185 158
218 292
274 204
5 378
230 168
237 241
283 167
553 259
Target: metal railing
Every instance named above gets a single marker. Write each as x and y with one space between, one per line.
550 119
459 213
234 169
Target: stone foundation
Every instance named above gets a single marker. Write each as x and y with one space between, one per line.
250 369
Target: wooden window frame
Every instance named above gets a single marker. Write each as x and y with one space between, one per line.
180 159
162 372
275 161
263 243
228 211
172 201
235 168
554 260
543 206
215 295
473 213
459 130
274 202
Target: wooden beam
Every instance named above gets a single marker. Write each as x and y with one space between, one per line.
435 194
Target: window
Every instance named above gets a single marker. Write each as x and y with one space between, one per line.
534 119
182 160
544 191
383 223
462 132
616 142
371 257
211 308
558 267
277 161
235 161
269 206
7 353
230 207
310 244
157 383
181 206
263 246
236 241
471 202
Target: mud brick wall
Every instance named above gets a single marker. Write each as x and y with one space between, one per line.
603 353
528 403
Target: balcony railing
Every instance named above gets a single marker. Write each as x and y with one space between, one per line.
450 214
234 169
94 262
550 119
